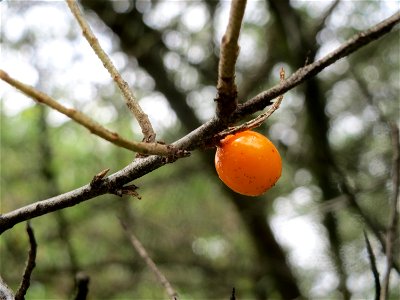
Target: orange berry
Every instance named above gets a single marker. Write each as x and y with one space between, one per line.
248 163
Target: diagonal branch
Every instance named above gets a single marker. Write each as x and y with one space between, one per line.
86 121
353 44
374 269
142 118
149 262
197 137
227 90
321 22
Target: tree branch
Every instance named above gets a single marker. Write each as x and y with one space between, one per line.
150 263
82 286
30 265
321 22
374 269
142 118
233 296
353 44
394 213
256 122
197 137
86 121
227 90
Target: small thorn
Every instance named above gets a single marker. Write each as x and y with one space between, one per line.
99 177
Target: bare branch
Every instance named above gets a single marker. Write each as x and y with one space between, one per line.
99 177
321 22
227 90
391 235
233 297
197 137
350 195
144 122
86 121
140 167
374 269
353 44
30 265
150 263
82 285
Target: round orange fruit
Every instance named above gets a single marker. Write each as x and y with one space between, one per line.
248 163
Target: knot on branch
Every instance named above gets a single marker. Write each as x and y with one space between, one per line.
175 155
226 99
160 148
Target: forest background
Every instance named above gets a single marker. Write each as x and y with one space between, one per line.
303 237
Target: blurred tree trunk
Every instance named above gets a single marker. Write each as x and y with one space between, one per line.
302 48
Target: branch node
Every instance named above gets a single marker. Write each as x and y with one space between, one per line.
130 99
175 155
226 101
226 88
98 178
256 122
129 190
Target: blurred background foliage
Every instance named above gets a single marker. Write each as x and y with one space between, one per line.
303 237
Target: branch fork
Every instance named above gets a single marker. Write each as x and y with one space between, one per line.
196 138
130 99
87 122
98 178
226 88
256 122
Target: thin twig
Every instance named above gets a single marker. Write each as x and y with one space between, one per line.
391 235
353 44
227 90
233 296
86 121
374 269
375 227
196 138
142 118
368 95
82 286
321 22
30 265
149 262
